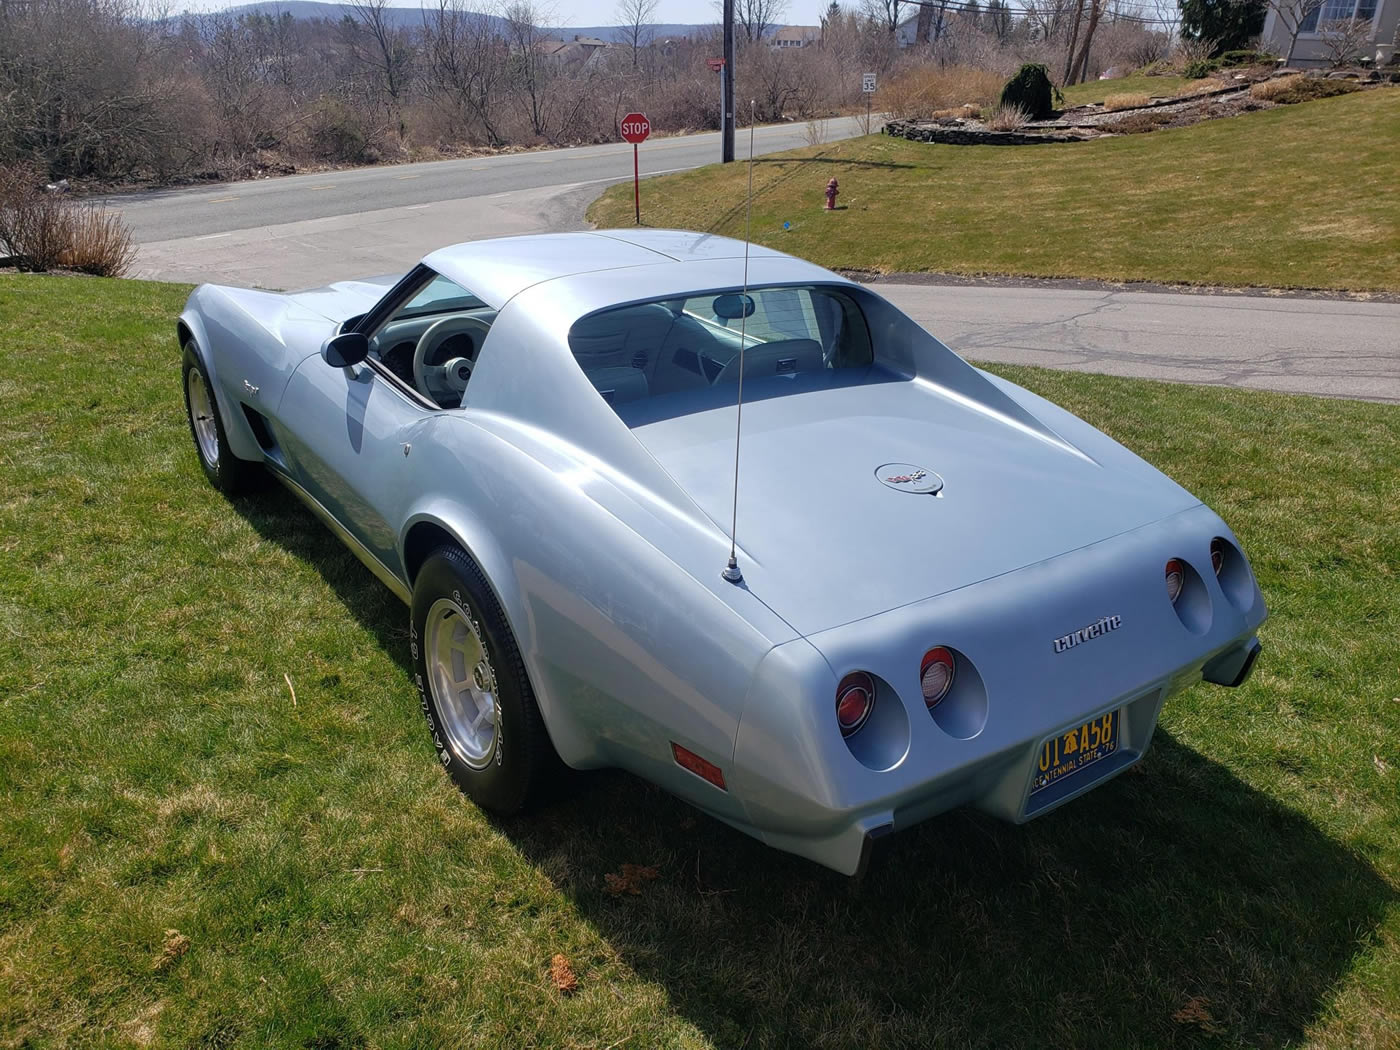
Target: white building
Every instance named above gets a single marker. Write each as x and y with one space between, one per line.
1376 26
796 36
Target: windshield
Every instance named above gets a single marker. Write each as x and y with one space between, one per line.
689 344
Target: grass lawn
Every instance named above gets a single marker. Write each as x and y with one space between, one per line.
189 857
1249 200
1134 84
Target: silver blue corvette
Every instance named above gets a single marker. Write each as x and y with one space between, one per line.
925 587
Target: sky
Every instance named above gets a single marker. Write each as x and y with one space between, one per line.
604 12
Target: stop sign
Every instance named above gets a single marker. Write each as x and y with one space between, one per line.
635 127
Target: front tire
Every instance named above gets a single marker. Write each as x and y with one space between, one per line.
481 712
225 471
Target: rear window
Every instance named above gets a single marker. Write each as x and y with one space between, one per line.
689 344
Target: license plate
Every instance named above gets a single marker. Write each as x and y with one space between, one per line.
1076 748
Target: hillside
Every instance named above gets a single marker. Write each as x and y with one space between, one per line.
1248 200
410 17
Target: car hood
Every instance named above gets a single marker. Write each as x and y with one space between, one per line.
824 540
345 299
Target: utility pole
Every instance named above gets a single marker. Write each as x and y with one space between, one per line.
726 117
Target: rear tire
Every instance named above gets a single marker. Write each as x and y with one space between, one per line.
480 708
225 471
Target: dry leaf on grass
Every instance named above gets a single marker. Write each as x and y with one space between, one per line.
1381 764
1196 1012
630 880
176 945
562 975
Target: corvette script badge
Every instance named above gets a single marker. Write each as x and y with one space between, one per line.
1103 626
906 477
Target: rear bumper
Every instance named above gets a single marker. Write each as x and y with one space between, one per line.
807 790
999 784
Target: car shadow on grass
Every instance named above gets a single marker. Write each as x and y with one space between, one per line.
1175 906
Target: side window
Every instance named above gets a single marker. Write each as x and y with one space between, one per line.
437 296
433 340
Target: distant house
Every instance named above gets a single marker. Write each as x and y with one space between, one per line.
1379 18
580 49
906 31
796 36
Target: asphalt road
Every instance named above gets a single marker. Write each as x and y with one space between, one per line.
1295 345
309 230
200 211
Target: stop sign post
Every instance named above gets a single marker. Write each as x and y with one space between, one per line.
635 129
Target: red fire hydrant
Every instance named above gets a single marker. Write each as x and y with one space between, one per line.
831 192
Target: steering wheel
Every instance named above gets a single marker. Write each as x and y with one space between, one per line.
445 381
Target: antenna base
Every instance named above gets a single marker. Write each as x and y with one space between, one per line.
731 572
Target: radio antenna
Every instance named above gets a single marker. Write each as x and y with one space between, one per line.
731 571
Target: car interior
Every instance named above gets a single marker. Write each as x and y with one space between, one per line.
659 348
436 341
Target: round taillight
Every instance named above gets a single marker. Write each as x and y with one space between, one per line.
1176 577
936 674
1217 554
855 699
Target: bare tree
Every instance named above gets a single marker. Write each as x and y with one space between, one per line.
82 91
1046 19
1291 14
757 18
381 45
999 19
923 29
230 67
884 13
531 73
1073 41
1168 16
769 77
634 18
1080 65
1344 39
467 66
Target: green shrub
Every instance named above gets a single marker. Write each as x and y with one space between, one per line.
1201 67
1227 24
1031 91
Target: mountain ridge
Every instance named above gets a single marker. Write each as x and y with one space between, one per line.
410 17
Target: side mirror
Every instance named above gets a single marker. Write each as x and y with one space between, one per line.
346 349
732 306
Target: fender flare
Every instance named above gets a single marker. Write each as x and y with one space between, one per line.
440 521
190 327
